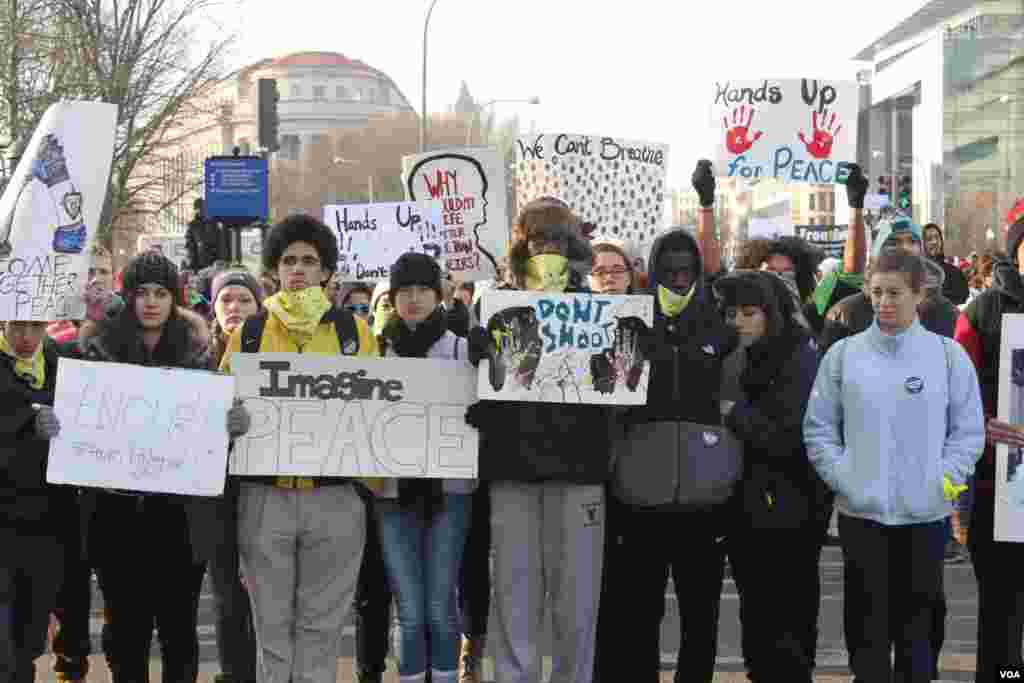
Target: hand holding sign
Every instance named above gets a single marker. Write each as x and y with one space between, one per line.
737 138
820 146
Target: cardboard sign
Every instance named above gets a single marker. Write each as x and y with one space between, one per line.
50 212
798 130
616 185
333 416
470 184
565 348
118 432
1009 503
371 237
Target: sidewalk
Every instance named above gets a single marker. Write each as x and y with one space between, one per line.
960 665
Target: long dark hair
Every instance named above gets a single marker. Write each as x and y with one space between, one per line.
122 337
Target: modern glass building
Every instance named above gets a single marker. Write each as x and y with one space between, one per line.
943 110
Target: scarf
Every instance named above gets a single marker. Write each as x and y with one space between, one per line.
765 359
672 304
425 496
32 370
415 342
823 293
547 273
300 312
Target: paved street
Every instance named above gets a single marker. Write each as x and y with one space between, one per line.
957 662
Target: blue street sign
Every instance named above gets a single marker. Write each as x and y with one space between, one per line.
236 187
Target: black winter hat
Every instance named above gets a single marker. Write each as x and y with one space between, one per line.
151 268
415 269
1013 238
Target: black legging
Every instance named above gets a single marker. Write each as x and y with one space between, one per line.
475 574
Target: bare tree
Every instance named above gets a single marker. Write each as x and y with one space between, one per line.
145 56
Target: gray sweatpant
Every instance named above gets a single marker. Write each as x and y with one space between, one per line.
548 541
300 551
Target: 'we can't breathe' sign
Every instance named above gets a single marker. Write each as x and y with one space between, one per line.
799 130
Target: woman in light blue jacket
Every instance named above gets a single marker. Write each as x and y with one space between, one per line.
894 426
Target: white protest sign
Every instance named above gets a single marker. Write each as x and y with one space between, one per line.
372 236
50 212
470 184
118 432
617 185
768 227
175 248
333 416
800 130
1009 503
565 348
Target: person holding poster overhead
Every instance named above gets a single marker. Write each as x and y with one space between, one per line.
300 538
547 464
34 515
675 466
423 522
996 563
176 535
894 426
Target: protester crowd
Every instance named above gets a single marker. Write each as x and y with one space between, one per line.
785 390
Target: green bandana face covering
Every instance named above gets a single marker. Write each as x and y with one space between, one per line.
673 304
547 273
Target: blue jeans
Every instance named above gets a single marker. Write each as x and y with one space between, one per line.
423 559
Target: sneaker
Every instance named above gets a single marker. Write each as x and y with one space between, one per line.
955 553
470 657
70 668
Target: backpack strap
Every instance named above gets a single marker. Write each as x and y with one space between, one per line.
252 332
455 351
348 332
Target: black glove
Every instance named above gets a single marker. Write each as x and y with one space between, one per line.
704 183
480 345
856 187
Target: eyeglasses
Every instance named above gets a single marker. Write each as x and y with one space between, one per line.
361 309
615 271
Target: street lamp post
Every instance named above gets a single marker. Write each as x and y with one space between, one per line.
476 114
423 110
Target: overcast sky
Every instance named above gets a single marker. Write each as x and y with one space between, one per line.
641 69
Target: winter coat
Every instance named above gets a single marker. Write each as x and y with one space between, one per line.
980 330
779 489
536 442
27 502
889 417
116 342
660 460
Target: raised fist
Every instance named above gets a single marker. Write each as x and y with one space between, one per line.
704 182
820 145
737 137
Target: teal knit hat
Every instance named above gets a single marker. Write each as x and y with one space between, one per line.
892 227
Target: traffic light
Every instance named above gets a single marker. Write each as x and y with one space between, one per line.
266 114
904 201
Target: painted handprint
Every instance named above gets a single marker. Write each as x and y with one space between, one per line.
820 145
737 137
623 363
516 335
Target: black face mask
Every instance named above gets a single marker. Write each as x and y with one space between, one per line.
677 270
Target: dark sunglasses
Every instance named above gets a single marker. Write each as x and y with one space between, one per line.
364 309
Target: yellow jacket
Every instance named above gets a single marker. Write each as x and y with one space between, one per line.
325 342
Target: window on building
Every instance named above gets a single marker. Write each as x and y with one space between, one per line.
295 90
319 92
341 92
811 201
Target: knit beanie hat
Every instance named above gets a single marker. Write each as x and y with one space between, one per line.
151 268
894 226
415 269
238 278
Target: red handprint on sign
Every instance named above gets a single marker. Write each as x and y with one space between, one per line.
820 146
737 138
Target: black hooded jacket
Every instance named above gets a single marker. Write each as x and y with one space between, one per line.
686 351
27 502
954 287
780 488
